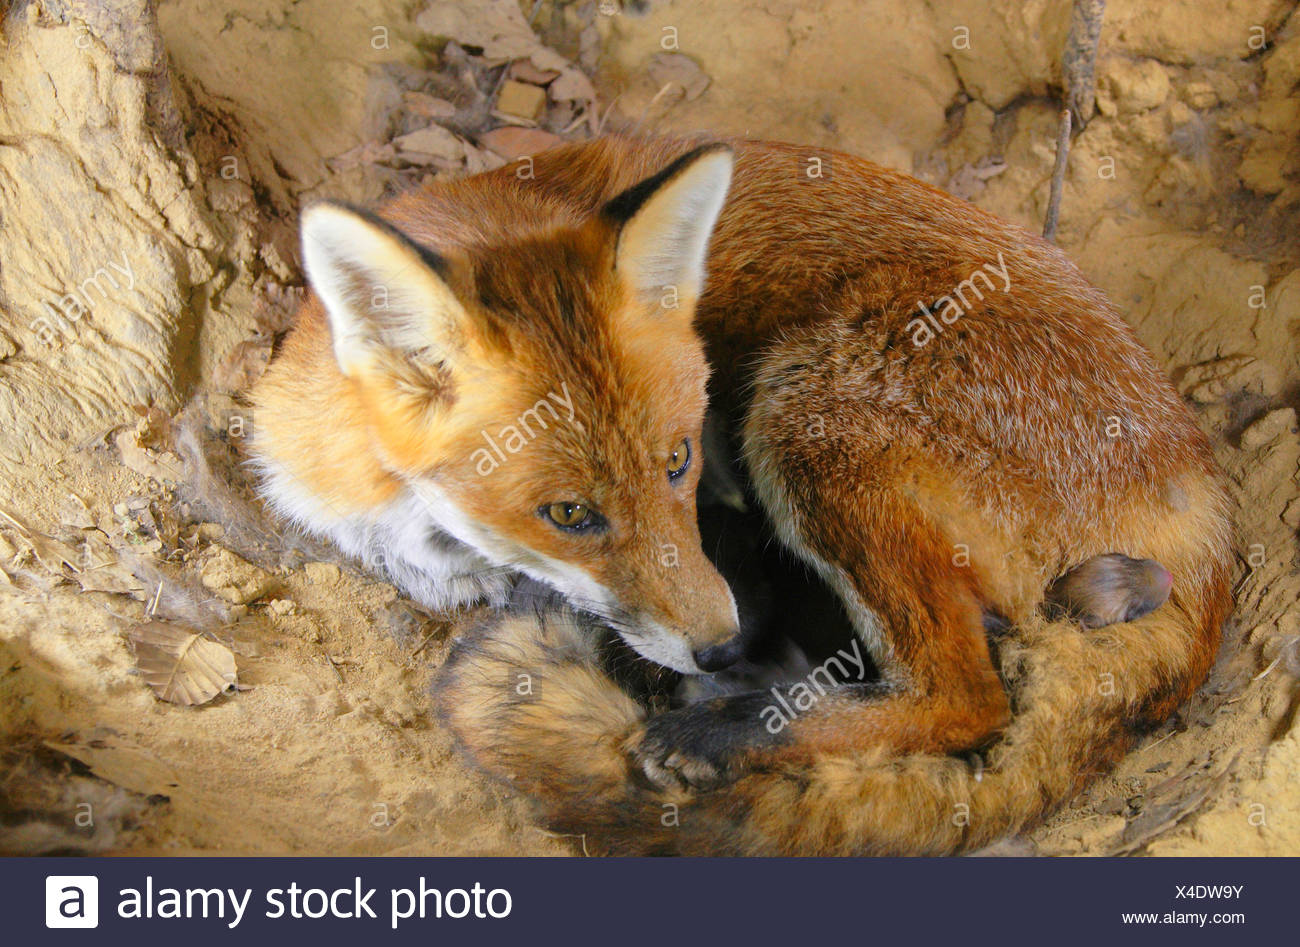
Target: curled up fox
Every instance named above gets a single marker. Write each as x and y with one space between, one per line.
503 379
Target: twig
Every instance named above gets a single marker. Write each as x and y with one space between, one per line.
17 525
427 638
1078 71
604 116
1058 177
334 665
550 834
1079 61
1154 743
645 112
1287 644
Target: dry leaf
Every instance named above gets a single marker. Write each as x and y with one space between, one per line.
102 570
428 106
432 140
161 466
74 512
53 554
277 303
498 28
511 142
480 159
573 86
113 577
372 152
525 71
680 69
181 665
132 767
243 365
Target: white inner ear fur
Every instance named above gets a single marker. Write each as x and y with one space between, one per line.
665 242
377 291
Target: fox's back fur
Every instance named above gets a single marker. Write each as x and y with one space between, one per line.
935 469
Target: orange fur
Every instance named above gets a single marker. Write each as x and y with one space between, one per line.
1030 434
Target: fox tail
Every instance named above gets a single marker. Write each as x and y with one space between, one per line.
530 701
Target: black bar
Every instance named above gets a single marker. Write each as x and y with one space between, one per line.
673 902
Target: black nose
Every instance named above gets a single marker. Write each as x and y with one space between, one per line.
719 656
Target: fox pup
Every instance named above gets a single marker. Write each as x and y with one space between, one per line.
506 375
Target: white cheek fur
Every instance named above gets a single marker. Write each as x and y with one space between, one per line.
443 559
400 540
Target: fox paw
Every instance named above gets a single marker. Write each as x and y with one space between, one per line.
674 770
703 746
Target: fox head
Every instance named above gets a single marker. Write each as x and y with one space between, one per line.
544 398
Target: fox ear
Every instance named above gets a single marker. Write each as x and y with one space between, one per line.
380 291
665 222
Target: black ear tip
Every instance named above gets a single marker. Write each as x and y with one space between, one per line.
430 257
622 208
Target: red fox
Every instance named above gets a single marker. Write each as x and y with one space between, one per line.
507 375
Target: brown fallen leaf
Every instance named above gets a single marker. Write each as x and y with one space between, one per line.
182 665
277 303
113 577
372 152
53 554
428 106
103 569
511 141
162 466
572 86
243 365
433 141
131 767
680 69
525 71
74 512
1158 818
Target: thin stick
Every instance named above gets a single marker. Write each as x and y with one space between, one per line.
427 638
1079 63
1058 177
1287 644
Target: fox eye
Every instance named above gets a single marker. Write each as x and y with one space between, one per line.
679 459
571 516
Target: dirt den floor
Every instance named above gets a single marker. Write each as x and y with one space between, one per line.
152 159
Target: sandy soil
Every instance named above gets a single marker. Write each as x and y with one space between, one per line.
179 143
